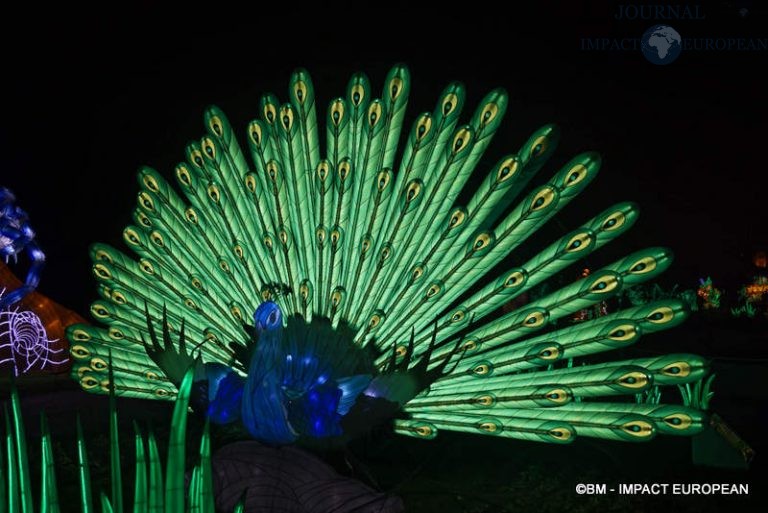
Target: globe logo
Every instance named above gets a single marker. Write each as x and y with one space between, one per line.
661 44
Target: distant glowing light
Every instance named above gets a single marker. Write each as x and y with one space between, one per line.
709 294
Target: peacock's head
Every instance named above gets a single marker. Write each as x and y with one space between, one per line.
267 316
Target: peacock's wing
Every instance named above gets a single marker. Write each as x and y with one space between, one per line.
342 233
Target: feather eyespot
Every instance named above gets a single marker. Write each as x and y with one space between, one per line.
489 113
515 279
575 175
485 400
461 140
272 171
623 333
561 433
145 200
197 158
535 319
335 236
305 290
457 218
434 289
337 297
255 132
558 396
614 221
147 267
365 245
679 421
209 147
344 169
337 111
250 183
322 170
638 428
423 126
490 427
417 271
98 310
644 265
357 94
182 174
634 380
79 351
103 256
412 191
150 183
131 237
286 117
450 101
424 430
549 353
507 169
606 283
99 365
661 315
320 235
482 242
143 220
386 252
374 113
677 370
300 90
579 242
102 272
395 88
215 124
89 382
542 199
213 193
539 146
376 319
270 112
383 179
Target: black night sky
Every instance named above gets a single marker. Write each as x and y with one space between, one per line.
90 99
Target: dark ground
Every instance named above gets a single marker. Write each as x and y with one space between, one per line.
465 473
92 95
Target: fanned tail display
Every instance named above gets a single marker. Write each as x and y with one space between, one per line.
321 287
